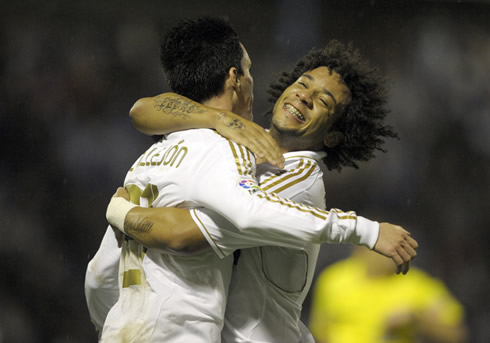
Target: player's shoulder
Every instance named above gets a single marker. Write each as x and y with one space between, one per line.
304 159
193 135
215 148
206 138
301 172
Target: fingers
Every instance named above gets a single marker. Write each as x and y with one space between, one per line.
398 261
270 149
119 191
266 148
410 250
260 160
405 267
252 136
401 265
406 253
406 258
412 242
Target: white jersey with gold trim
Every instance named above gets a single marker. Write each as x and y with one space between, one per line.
182 299
338 227
269 284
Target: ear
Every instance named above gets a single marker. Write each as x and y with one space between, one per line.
332 139
233 78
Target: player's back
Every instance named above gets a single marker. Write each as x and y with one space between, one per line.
166 297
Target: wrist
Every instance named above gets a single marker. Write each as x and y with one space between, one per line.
367 231
117 210
215 118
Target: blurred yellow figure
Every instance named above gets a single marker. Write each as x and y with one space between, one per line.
362 300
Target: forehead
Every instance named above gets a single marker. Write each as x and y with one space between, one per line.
323 75
329 81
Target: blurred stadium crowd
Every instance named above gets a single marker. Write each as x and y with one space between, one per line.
71 71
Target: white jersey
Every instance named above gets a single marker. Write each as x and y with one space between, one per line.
101 280
269 284
182 299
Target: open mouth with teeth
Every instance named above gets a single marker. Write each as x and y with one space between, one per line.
297 114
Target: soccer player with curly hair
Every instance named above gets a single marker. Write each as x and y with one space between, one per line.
269 282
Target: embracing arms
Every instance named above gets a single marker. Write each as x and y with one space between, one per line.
170 230
169 112
173 230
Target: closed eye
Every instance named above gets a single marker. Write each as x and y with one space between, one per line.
324 103
302 84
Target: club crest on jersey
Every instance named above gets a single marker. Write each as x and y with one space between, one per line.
249 185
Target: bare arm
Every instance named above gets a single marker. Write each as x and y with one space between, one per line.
170 230
173 230
169 112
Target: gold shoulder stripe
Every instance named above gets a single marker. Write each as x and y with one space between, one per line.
309 165
294 182
272 178
302 157
235 155
247 164
250 158
242 159
292 204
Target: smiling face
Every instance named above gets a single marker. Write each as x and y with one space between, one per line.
305 112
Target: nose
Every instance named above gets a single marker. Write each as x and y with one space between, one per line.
304 96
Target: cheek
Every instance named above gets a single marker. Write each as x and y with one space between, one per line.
250 83
276 105
323 123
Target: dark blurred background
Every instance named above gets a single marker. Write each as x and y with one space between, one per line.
70 72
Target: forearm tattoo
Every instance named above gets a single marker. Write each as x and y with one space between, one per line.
176 107
139 228
235 124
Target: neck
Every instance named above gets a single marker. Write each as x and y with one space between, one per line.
222 102
283 146
288 143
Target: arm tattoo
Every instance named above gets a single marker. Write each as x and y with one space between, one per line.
139 228
235 124
176 107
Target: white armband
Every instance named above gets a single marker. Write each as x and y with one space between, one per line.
117 210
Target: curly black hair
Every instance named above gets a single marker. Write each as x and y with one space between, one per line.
362 122
197 54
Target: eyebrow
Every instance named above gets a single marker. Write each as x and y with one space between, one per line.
308 76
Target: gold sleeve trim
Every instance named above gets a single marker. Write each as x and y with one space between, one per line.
291 204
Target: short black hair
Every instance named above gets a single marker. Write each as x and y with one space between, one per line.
362 122
196 56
